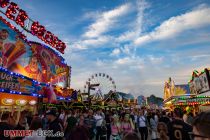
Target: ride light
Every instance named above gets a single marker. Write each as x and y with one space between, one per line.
7 101
21 102
32 102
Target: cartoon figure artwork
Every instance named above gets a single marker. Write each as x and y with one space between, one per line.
33 69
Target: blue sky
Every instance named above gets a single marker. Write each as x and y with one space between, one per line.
139 43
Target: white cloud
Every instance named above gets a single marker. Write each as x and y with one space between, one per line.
96 41
115 52
106 21
78 46
126 49
175 25
126 36
91 42
122 61
130 62
99 63
203 56
136 30
155 60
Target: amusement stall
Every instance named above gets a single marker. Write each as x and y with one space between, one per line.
200 87
31 73
195 96
176 95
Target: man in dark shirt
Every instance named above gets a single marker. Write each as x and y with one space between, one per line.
55 126
90 123
201 125
164 118
71 123
4 125
178 129
22 124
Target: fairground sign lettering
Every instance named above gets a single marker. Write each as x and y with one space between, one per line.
13 12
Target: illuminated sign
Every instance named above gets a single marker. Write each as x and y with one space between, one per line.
17 84
8 82
19 16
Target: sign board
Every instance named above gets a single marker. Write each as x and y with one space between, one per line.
19 84
20 17
200 84
204 82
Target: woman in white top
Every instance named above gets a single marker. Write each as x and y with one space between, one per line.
142 124
153 126
36 125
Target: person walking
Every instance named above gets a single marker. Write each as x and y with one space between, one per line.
185 116
127 124
201 125
142 125
153 127
22 124
108 124
81 121
4 125
36 126
54 125
178 129
62 115
99 119
164 118
162 131
70 124
115 128
190 118
90 123
131 136
79 133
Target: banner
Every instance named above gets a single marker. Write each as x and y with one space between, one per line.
30 59
13 83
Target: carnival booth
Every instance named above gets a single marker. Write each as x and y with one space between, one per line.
192 97
176 95
200 87
30 72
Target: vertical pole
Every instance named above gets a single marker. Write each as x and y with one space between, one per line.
39 105
89 101
68 76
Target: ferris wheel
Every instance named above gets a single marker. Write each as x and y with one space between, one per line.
105 85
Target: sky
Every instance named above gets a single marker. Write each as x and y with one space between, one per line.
139 43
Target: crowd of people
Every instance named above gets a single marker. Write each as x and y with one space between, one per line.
137 124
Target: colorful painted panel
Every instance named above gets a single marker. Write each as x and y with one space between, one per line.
182 90
30 59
